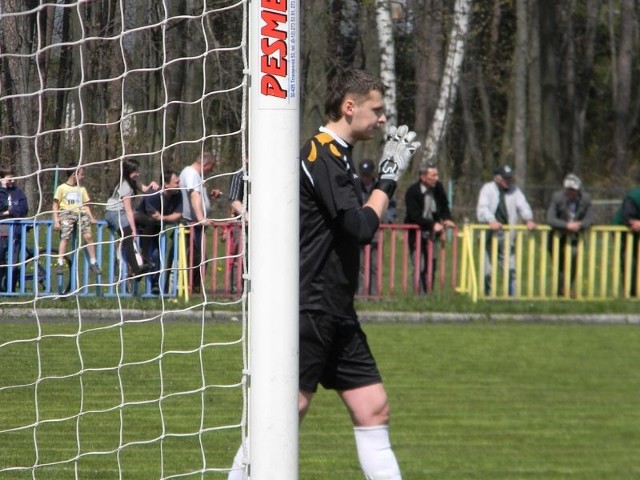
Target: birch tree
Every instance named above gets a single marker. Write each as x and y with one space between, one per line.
450 81
387 58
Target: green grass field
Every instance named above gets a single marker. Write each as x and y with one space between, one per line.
473 401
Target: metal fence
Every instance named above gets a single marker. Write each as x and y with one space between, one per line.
541 264
513 264
30 255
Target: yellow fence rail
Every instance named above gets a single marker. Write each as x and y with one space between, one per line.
539 265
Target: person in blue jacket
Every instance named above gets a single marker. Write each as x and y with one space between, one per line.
13 205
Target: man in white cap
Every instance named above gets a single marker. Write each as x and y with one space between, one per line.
569 214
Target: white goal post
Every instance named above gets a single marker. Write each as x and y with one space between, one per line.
274 214
103 378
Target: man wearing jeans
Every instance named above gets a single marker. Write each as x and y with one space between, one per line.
501 203
13 205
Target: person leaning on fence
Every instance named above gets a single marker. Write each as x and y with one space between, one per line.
333 225
502 203
13 205
71 209
236 199
427 206
119 212
368 178
156 212
629 215
196 205
569 214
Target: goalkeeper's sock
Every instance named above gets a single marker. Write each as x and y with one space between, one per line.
237 472
377 460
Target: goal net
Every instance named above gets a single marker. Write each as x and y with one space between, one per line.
103 375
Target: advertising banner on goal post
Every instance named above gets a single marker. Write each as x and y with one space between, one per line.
278 53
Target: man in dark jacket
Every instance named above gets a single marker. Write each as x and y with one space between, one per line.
157 214
13 205
427 206
569 214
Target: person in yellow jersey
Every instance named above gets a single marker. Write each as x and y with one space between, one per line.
71 209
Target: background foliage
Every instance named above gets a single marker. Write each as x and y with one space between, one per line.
581 86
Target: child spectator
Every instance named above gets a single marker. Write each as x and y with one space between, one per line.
70 208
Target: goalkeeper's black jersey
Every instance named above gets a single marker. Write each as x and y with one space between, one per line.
330 204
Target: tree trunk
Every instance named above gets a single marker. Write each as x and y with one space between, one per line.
551 124
63 81
17 40
387 58
428 68
174 75
520 93
584 81
114 69
470 131
534 91
345 15
450 81
622 101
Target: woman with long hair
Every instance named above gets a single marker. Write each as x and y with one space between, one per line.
119 212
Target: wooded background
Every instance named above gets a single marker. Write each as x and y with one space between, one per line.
550 87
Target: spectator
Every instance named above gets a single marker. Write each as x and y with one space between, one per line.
119 213
13 205
629 214
569 214
71 209
196 206
502 203
236 197
157 211
367 172
427 206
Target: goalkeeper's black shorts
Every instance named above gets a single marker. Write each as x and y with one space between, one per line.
334 352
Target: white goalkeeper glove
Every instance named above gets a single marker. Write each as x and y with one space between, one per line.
396 155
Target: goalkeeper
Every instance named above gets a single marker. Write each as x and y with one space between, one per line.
334 224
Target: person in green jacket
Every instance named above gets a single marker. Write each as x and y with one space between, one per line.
629 214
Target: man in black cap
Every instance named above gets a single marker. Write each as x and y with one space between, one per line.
501 203
367 172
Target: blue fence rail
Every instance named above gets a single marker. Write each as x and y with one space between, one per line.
29 256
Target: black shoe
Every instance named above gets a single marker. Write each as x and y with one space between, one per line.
144 268
155 290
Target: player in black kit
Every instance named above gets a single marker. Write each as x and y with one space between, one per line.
334 224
